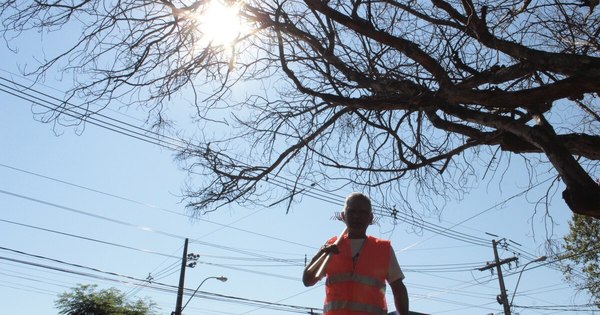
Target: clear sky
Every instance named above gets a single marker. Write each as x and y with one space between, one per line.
101 207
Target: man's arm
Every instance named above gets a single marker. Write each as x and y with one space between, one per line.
400 296
309 277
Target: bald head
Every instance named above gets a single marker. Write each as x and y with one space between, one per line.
357 215
358 200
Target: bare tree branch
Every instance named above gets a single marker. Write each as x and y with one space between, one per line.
396 97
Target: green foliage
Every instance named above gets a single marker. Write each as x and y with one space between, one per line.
87 300
582 249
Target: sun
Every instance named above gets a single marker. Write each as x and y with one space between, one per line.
220 23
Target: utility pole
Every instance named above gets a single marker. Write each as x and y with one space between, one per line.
502 298
181 280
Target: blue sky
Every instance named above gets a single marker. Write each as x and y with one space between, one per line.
100 207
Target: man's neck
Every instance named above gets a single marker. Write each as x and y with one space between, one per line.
357 235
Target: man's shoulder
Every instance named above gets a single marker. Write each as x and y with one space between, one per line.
380 241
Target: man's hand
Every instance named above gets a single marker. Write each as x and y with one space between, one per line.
328 248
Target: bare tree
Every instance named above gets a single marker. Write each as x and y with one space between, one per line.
397 97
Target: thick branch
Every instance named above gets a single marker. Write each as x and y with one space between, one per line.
364 28
563 63
575 85
582 193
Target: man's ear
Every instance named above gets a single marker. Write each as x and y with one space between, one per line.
371 217
343 216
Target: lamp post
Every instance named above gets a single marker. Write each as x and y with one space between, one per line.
539 259
221 278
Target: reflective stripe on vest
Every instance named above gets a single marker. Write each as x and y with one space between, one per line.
342 277
353 306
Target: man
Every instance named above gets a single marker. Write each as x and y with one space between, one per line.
358 267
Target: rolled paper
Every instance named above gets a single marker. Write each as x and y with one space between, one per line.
324 259
317 263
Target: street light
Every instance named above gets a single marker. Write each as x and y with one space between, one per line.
221 278
539 259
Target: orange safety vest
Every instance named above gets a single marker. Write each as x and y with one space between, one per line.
354 288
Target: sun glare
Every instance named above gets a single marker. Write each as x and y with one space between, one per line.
220 24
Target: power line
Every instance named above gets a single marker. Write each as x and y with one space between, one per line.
176 144
121 127
88 238
550 263
430 266
427 226
228 226
220 265
148 229
423 269
562 308
437 268
155 285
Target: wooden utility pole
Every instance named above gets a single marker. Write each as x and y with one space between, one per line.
181 280
502 298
